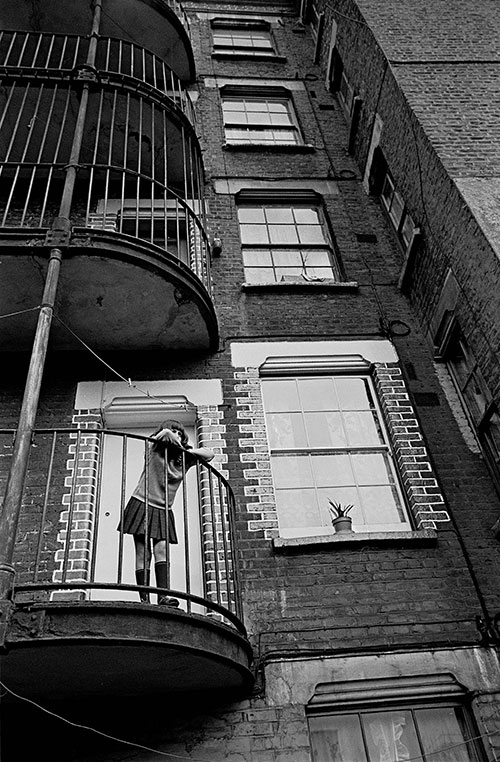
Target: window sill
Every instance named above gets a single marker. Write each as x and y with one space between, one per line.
303 285
420 538
237 56
271 147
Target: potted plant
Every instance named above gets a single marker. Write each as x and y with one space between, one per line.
341 522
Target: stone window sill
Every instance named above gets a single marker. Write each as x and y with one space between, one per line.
241 56
271 147
421 537
328 285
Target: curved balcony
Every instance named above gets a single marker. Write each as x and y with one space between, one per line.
136 272
60 56
78 627
158 25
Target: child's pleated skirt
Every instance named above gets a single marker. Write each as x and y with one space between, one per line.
134 521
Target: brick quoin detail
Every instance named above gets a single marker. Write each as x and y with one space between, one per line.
418 480
210 433
419 483
78 516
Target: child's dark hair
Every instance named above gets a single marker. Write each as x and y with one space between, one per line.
171 424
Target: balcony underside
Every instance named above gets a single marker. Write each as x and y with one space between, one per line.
115 292
78 650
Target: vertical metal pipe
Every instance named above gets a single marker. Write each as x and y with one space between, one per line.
9 517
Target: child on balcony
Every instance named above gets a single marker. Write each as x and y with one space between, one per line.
171 443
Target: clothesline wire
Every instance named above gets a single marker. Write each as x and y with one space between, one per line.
128 381
99 732
110 367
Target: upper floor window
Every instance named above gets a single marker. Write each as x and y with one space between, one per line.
328 442
266 117
396 209
479 405
346 93
285 241
249 38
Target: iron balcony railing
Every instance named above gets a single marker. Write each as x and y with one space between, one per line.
69 546
139 172
54 55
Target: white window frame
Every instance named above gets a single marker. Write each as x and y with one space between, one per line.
255 131
244 29
397 211
281 369
349 701
293 202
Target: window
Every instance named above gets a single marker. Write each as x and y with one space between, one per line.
476 397
346 93
327 441
285 242
395 206
249 39
434 733
266 118
420 717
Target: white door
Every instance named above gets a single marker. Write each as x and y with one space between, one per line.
185 559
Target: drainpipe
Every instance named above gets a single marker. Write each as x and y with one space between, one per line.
57 238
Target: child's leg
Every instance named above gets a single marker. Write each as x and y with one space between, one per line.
162 572
142 562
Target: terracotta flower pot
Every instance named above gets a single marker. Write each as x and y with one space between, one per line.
342 524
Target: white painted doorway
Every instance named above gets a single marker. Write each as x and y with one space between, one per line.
186 574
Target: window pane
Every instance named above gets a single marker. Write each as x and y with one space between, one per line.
362 429
251 214
290 471
259 118
297 508
261 275
391 736
286 430
256 105
257 257
310 234
317 393
407 229
285 257
442 735
352 393
285 136
228 105
305 215
283 272
317 258
283 234
325 430
381 505
280 395
387 192
332 470
372 468
396 210
281 215
337 739
253 234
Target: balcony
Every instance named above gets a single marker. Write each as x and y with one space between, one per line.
159 25
78 628
136 270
